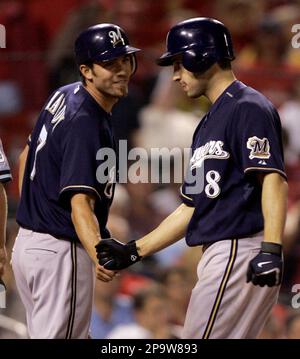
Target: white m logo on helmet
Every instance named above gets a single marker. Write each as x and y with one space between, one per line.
116 37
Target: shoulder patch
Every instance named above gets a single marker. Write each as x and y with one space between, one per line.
259 147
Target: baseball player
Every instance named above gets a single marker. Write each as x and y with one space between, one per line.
64 205
238 215
5 176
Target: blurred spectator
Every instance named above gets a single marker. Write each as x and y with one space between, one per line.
163 124
272 329
262 64
293 326
22 69
203 8
178 288
151 311
264 50
118 227
10 98
292 248
289 114
125 116
241 17
142 215
110 308
165 200
61 53
121 201
189 260
288 15
132 282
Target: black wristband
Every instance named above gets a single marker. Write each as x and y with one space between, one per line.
133 249
273 248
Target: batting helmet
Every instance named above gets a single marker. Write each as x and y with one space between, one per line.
200 41
103 42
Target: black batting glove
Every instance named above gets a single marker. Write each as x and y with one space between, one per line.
115 255
267 267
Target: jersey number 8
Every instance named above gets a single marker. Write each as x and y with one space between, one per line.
212 189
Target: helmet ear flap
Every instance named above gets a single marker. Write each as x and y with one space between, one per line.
196 61
133 63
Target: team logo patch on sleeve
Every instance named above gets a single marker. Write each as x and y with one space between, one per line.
260 148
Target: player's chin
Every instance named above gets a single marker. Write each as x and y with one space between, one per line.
121 90
192 94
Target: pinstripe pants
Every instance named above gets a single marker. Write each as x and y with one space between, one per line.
222 304
55 281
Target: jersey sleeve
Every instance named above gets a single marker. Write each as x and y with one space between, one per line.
79 164
257 139
185 197
5 174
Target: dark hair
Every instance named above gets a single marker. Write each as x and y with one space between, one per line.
225 64
82 78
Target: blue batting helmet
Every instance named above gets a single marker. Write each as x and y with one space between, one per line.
103 42
200 41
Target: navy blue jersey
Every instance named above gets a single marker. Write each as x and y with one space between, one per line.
238 137
5 174
62 160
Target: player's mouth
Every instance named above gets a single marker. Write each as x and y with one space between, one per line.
121 82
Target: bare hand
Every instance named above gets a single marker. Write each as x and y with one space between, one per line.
104 274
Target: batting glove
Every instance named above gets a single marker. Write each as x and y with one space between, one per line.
115 255
266 268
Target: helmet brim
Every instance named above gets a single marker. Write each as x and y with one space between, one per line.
118 52
167 59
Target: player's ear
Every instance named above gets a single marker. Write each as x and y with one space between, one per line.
86 72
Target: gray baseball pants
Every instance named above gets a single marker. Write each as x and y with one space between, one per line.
55 281
222 304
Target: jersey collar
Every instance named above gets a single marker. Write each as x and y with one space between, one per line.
227 94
